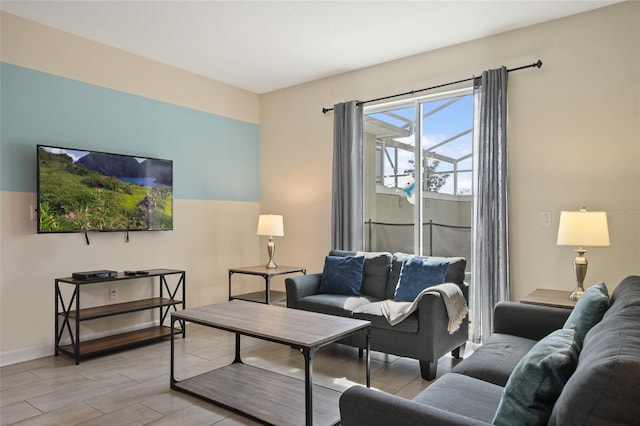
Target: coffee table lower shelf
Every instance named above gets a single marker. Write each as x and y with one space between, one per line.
270 397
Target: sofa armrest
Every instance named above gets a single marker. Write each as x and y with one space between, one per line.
300 286
529 321
364 406
432 314
431 311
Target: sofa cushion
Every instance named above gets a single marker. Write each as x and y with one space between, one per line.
375 272
342 275
333 304
627 293
373 312
463 395
604 387
589 309
538 379
416 275
455 273
495 360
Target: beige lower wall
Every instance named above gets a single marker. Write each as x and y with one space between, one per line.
209 238
574 140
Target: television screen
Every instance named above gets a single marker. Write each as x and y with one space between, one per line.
81 191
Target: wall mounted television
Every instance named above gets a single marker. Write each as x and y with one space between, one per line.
82 191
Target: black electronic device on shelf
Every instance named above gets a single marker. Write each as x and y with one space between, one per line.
94 275
134 273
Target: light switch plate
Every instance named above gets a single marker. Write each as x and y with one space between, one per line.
545 219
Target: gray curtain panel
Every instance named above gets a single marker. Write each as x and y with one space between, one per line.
347 203
490 270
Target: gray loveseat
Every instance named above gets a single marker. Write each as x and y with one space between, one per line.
422 336
603 389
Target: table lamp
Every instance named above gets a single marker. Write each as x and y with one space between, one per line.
271 225
582 228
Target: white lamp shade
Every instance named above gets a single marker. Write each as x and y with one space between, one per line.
583 228
270 225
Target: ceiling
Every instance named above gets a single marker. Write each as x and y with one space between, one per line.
263 46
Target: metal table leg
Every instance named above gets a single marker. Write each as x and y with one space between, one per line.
308 385
172 380
237 359
368 359
267 279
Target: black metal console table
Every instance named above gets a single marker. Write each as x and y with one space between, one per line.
69 311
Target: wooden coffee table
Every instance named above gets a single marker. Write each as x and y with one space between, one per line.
267 396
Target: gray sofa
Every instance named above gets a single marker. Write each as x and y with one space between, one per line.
603 389
422 336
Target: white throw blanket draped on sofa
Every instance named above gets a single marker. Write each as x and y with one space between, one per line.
453 299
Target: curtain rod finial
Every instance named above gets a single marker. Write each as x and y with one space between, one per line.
538 64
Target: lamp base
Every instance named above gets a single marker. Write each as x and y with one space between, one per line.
271 250
576 294
580 269
271 265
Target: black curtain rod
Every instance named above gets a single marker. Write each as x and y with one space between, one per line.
537 64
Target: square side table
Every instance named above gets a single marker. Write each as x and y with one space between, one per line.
547 297
267 296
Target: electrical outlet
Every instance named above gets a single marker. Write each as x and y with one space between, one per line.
32 212
113 294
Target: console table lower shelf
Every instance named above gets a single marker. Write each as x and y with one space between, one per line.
115 342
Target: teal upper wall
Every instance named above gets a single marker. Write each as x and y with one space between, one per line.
214 157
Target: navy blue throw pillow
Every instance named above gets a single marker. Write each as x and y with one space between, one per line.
342 275
416 275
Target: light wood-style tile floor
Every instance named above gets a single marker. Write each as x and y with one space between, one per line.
132 387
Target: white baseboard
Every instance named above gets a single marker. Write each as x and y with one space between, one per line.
22 355
29 354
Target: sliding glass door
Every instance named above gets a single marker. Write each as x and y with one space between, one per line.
418 163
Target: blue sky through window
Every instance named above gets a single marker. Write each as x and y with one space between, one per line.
440 123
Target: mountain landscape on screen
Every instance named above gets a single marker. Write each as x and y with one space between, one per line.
80 191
